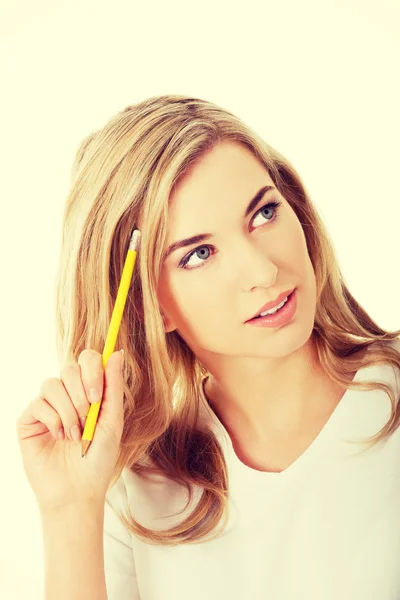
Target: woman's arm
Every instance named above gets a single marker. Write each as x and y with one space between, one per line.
73 552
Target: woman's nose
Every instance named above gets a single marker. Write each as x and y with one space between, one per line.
257 268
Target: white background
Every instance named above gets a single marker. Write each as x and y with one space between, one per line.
317 79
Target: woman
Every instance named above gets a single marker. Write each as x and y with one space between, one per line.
236 458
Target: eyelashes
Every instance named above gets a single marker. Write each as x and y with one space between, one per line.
270 206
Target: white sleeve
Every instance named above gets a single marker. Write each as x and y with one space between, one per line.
119 562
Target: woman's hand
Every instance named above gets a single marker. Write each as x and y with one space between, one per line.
56 471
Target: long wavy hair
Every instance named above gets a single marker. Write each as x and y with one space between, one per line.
123 173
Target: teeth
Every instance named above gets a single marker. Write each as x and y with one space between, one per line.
273 310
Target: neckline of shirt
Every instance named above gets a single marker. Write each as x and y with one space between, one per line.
325 439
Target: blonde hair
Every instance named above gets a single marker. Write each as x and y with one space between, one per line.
123 173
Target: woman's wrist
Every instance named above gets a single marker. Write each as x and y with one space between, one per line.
73 551
75 509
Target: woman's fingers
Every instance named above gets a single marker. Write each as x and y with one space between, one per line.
83 382
55 468
63 404
92 374
39 417
56 395
71 378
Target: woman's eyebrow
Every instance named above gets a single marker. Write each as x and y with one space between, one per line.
200 237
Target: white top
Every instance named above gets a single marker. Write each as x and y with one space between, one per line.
325 528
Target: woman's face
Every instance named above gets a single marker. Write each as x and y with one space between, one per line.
246 262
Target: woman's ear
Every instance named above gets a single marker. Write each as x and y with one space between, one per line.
168 326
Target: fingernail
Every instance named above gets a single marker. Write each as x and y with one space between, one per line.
94 395
75 433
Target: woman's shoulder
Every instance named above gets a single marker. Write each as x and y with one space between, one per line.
117 494
155 501
394 372
394 344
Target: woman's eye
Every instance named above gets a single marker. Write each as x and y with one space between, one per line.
268 208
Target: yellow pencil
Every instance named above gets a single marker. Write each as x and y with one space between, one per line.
90 425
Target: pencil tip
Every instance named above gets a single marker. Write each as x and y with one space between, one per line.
85 446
